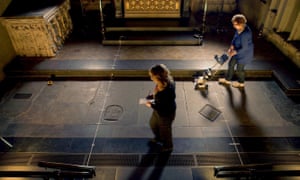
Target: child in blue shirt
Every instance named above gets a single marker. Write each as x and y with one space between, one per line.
240 51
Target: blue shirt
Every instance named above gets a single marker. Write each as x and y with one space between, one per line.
243 44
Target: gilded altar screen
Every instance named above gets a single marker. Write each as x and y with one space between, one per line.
152 8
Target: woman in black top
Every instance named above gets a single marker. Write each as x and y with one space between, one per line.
163 105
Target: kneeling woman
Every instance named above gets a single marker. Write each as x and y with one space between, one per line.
163 105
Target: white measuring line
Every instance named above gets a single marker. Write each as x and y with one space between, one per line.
235 144
116 56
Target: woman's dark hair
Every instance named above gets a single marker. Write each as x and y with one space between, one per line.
161 72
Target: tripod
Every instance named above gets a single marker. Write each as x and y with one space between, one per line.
6 142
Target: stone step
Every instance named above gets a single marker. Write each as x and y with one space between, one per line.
151 36
26 69
150 29
152 42
106 69
149 22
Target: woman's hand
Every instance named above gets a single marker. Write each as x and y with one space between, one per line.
148 104
149 97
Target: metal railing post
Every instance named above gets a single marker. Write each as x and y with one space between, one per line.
102 20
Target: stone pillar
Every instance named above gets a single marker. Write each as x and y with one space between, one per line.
270 17
287 15
295 33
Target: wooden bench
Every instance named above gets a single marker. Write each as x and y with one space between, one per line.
48 170
253 171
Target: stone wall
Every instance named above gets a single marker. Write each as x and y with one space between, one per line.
274 18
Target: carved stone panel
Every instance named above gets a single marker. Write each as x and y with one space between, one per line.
40 32
29 38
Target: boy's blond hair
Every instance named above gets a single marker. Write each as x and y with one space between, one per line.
239 18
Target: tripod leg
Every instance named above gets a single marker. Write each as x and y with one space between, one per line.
6 142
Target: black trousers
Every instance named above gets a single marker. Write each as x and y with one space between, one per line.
161 127
240 70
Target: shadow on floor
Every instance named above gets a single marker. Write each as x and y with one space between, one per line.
152 158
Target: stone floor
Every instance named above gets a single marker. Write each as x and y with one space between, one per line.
101 123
